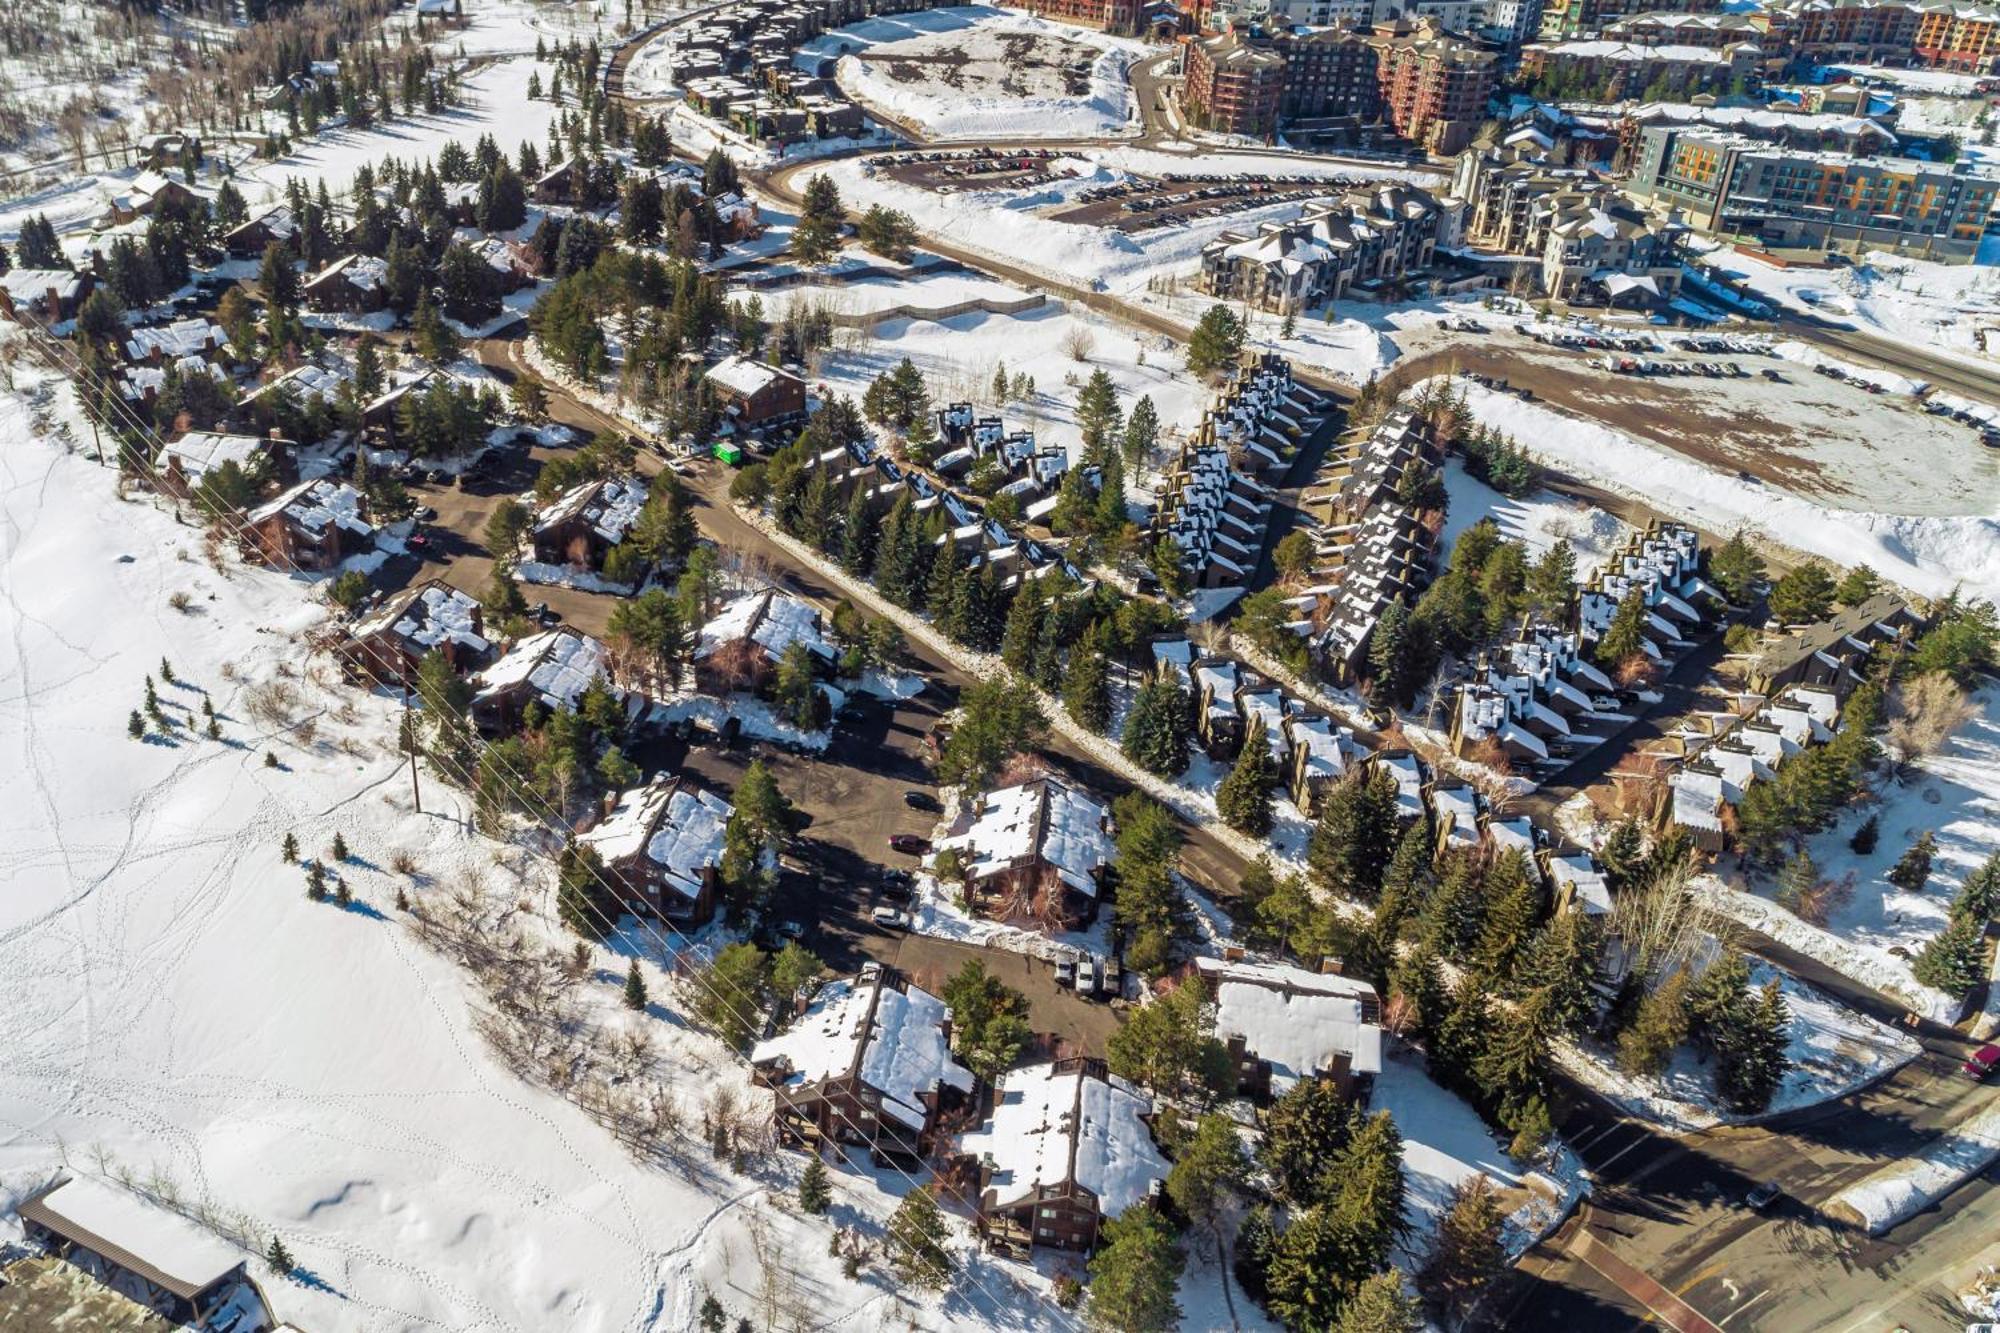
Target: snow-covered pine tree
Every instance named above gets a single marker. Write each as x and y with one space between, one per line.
635 988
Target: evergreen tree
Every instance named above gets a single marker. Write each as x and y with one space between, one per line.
1757 1064
1086 691
635 988
1626 636
1158 734
584 901
289 850
1864 839
1381 1305
279 1259
1514 905
1552 581
731 994
1244 798
1857 586
1142 428
916 1239
815 1190
1953 960
135 725
1216 342
1562 962
1354 835
1391 678
1466 1255
1416 981
316 882
1802 595
1304 1133
1209 1169
1660 1026
1134 1276
1913 869
1735 569
1098 415
1454 912
712 1318
339 849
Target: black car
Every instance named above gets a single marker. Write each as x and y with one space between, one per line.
921 800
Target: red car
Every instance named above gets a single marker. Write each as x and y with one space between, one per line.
1982 1062
909 842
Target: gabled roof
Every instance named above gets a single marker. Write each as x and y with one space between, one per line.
892 1039
1049 1130
160 1246
1299 1022
677 826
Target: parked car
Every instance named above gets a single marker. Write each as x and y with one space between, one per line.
1982 1062
791 930
1086 975
1762 1196
910 844
921 800
1066 970
890 919
425 513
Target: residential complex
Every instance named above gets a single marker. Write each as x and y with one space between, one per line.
1728 183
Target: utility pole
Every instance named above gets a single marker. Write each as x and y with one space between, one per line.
410 730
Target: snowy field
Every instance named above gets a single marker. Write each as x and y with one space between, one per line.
1929 554
929 291
181 1010
976 72
1943 307
1934 81
1873 928
1536 521
959 355
1009 223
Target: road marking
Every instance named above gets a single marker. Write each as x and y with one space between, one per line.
1606 1163
1744 1306
1581 1143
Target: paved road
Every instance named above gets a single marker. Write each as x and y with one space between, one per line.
1904 358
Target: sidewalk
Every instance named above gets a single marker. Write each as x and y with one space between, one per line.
1670 1309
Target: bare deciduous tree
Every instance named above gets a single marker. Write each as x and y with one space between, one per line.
1923 714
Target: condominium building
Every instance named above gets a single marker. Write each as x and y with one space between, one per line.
1731 184
1235 84
1365 236
1434 84
1610 70
1563 19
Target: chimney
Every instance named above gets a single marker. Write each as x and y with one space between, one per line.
1330 965
1232 953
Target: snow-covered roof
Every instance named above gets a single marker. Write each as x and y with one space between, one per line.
199 450
23 285
1044 820
365 272
609 506
772 620
136 1234
183 337
1586 883
740 375
560 664
317 505
894 1040
435 614
1297 1021
1458 809
1049 1128
678 827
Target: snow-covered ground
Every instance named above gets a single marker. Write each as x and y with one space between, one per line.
1873 928
927 291
177 1006
1934 81
959 355
1832 1049
1009 223
1930 554
1908 1187
977 72
1943 307
1445 1142
1536 521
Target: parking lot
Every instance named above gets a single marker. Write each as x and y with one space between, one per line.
851 800
1145 203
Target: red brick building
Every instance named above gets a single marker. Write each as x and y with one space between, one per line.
1118 16
1235 85
1434 84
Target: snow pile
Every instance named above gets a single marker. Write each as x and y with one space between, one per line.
1930 554
977 72
1905 1189
569 576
